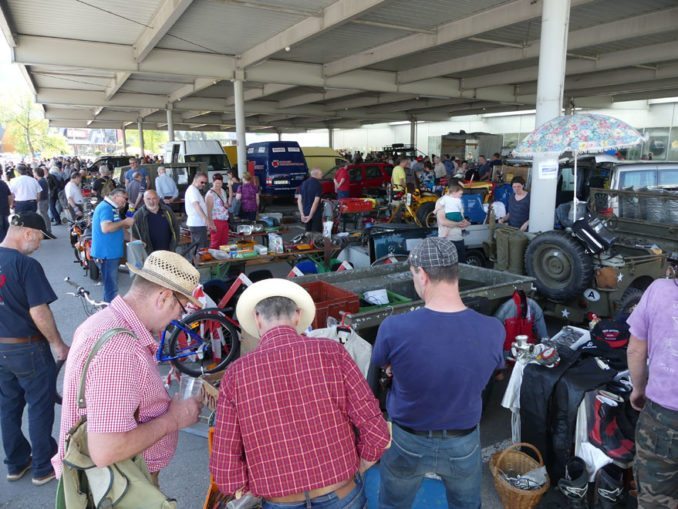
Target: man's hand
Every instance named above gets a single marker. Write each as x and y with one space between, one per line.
465 223
637 399
365 465
128 222
60 351
184 412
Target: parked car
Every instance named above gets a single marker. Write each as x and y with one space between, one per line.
364 179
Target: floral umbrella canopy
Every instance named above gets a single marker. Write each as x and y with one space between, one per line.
579 133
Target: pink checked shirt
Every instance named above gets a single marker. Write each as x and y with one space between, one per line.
122 378
286 415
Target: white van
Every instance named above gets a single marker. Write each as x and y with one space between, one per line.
208 153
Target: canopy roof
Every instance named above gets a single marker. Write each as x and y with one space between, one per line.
311 64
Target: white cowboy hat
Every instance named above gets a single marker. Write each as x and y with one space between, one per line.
273 288
172 271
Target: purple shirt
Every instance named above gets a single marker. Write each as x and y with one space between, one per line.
655 320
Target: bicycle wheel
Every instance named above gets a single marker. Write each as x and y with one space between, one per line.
218 345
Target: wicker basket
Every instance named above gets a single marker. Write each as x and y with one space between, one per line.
512 459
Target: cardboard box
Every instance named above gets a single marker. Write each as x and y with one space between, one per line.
210 390
511 171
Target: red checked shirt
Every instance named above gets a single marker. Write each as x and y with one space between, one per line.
122 378
286 416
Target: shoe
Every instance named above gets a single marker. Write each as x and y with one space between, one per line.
609 490
20 473
39 481
575 484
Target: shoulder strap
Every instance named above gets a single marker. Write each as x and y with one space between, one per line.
95 349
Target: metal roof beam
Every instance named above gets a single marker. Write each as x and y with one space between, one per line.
646 24
328 95
6 25
335 14
485 21
116 83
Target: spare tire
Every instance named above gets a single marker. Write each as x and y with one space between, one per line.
560 265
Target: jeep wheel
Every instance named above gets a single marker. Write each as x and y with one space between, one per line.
476 258
425 215
629 300
560 265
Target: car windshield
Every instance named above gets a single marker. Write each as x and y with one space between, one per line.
331 172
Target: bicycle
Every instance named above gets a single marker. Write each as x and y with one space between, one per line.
90 305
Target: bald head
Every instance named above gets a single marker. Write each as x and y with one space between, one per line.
152 200
316 173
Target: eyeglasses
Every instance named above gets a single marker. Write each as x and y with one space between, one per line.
183 308
202 182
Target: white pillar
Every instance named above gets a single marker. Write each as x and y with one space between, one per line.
330 136
170 123
124 140
141 137
555 20
240 126
413 132
279 133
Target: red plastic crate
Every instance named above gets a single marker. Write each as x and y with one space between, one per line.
329 301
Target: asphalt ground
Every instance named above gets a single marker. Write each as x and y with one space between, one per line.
187 477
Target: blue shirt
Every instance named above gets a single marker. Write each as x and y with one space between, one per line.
107 246
142 171
441 363
165 186
23 285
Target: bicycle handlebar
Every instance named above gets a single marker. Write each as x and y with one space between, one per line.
83 293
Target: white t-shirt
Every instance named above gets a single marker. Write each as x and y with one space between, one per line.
192 217
24 188
450 204
72 191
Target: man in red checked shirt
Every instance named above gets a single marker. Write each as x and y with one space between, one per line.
287 412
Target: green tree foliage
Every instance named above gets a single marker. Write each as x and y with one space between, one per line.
28 131
154 141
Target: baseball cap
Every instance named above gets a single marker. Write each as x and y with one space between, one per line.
434 252
32 220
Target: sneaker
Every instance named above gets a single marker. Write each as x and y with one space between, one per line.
575 484
20 473
39 481
609 491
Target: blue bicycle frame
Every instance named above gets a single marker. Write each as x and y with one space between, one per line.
160 355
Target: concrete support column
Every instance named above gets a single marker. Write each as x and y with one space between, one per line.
124 140
555 20
413 132
279 133
170 123
330 136
240 126
141 137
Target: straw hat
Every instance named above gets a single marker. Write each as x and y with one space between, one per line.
172 271
273 288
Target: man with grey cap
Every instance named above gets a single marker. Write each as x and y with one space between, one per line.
441 357
128 409
296 421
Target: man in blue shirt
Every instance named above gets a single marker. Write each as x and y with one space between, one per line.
165 186
108 239
134 167
441 357
27 368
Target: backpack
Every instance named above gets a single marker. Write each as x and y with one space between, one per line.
248 193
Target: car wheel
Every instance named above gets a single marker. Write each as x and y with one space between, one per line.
426 216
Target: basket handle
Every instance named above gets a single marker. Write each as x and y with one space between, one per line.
516 446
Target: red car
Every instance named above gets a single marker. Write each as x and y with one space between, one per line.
364 179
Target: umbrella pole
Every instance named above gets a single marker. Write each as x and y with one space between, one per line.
574 204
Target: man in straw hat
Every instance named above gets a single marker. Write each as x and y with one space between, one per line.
128 408
441 357
287 411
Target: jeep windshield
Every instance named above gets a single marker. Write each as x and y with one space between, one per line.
214 162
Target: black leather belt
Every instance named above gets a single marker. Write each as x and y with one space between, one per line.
442 433
16 341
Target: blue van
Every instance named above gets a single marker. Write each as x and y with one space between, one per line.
279 165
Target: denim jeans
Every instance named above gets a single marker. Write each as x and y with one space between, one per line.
199 235
109 275
27 376
25 206
456 459
354 500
